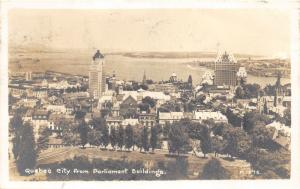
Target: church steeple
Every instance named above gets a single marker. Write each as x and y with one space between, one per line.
144 77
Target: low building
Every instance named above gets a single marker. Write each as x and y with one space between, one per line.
40 93
105 101
171 117
281 135
218 117
113 122
55 142
131 122
16 90
28 102
76 95
281 129
39 119
129 107
56 109
27 117
164 87
147 119
57 122
165 118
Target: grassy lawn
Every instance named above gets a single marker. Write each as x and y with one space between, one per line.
56 155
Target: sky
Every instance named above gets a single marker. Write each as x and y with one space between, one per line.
248 31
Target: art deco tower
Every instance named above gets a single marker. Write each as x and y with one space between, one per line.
97 76
225 70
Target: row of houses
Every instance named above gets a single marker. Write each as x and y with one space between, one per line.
165 118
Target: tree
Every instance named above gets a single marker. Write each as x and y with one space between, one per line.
150 101
262 137
182 166
251 90
239 93
178 139
166 130
137 138
213 170
218 145
105 136
287 116
129 137
79 115
121 137
70 135
269 90
11 99
238 142
266 111
113 137
98 123
16 125
83 132
200 132
219 128
200 99
190 80
266 162
144 107
252 119
16 121
169 107
145 143
205 143
43 140
153 138
94 137
233 119
27 155
275 100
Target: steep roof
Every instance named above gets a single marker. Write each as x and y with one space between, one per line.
98 55
225 58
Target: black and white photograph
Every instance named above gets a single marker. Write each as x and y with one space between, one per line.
149 94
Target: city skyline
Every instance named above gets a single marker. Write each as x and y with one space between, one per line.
238 31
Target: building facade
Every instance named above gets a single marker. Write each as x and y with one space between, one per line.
225 70
97 76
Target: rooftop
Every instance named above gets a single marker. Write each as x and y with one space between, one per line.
98 55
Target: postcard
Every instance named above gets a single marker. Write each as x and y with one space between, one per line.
158 93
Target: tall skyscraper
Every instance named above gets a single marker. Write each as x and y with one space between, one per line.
225 70
97 76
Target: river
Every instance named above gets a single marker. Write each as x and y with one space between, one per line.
161 69
126 68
